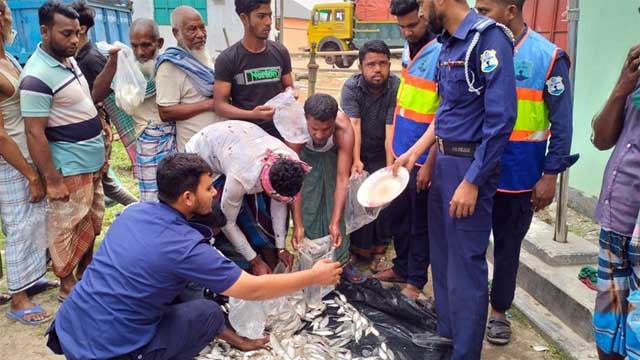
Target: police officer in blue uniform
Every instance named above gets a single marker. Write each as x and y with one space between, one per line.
476 83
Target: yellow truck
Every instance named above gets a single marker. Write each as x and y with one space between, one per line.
347 25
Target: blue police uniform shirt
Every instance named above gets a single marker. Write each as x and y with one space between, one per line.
147 258
464 116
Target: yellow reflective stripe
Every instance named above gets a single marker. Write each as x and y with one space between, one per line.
532 115
418 100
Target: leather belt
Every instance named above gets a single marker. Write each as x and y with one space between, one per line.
456 148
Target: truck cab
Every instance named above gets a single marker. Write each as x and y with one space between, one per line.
348 25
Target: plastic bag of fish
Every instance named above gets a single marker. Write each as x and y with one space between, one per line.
129 84
312 251
289 117
298 333
355 215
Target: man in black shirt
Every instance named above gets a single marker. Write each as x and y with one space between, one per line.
369 99
253 70
91 62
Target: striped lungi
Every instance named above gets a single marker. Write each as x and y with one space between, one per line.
73 225
23 224
618 270
154 144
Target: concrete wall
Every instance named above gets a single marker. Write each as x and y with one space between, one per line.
295 34
221 14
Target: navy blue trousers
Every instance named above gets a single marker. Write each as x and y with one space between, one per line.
512 215
458 257
184 331
410 233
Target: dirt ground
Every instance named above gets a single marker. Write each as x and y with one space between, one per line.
19 342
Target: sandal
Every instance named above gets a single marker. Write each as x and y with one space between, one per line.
353 274
19 315
499 331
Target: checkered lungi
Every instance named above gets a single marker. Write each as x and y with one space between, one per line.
73 225
23 226
154 144
618 276
124 124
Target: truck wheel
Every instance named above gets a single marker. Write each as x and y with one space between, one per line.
350 61
332 60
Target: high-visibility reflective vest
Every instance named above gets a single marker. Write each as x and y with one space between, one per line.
417 99
523 158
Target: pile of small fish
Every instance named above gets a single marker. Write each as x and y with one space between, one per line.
298 333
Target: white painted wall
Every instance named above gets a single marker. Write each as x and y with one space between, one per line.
221 14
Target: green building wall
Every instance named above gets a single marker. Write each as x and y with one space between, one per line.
606 31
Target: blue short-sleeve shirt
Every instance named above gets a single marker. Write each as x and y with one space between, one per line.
486 112
147 258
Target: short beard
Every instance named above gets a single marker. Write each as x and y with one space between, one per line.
202 56
436 21
374 86
148 68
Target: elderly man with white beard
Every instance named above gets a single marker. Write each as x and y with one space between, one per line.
185 77
155 139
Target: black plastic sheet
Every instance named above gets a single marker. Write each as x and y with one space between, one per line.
409 329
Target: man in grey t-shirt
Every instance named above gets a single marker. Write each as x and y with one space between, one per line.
369 99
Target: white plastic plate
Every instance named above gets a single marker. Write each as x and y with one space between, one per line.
382 187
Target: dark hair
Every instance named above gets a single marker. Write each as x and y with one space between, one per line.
403 7
286 177
322 107
247 6
373 46
86 12
178 173
52 7
518 3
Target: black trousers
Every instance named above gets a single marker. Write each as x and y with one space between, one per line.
512 215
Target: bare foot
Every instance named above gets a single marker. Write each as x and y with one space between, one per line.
66 285
20 301
411 292
243 343
389 275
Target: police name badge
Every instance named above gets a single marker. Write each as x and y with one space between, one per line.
489 61
555 86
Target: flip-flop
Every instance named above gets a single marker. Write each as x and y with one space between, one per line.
589 284
353 274
41 286
19 315
5 298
